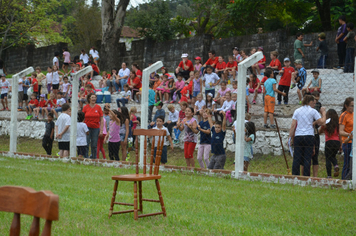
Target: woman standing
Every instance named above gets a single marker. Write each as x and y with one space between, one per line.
94 121
303 134
346 125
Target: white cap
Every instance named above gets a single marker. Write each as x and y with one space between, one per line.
184 55
286 59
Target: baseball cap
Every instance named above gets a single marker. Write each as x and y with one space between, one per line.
236 48
322 35
260 48
286 59
2 75
197 58
298 61
184 55
315 71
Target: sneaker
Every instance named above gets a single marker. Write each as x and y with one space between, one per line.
300 102
128 156
165 102
27 118
273 127
279 102
336 171
285 103
266 126
292 86
7 108
254 102
36 118
137 101
30 117
3 109
172 102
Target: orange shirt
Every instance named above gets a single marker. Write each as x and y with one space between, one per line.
156 85
347 119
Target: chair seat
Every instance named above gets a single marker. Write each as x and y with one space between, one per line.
135 177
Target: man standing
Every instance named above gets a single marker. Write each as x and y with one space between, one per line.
184 67
341 45
299 47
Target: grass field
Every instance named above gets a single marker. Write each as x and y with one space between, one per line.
260 163
196 205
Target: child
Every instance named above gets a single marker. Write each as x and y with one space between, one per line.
236 55
210 62
41 107
125 97
159 126
315 83
151 102
332 141
205 138
82 132
234 87
220 68
124 130
5 89
82 98
47 140
261 83
254 81
49 78
159 112
232 113
179 86
103 82
88 90
59 103
209 102
199 106
227 106
55 59
170 89
220 97
275 64
349 138
350 49
197 86
55 79
250 138
256 68
100 144
173 117
66 88
42 81
134 122
247 119
113 135
34 84
181 116
270 86
63 131
162 88
31 105
323 47
26 86
210 80
217 144
189 125
231 68
157 82
299 77
197 65
50 103
285 80
106 115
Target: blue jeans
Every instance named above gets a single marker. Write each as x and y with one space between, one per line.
346 147
92 141
122 100
176 133
349 60
116 85
322 61
122 83
150 109
303 151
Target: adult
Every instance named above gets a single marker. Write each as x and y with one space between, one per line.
303 134
135 67
84 56
66 56
211 61
299 47
135 84
94 54
94 121
2 67
122 77
184 67
261 64
346 125
339 39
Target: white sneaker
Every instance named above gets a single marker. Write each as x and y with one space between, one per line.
137 101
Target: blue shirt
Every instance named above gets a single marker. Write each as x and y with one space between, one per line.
27 82
205 138
247 93
151 97
217 142
269 86
160 112
302 73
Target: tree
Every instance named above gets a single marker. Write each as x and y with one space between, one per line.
112 20
324 13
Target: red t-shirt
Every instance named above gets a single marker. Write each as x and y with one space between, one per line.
92 116
43 103
232 65
276 62
88 92
220 66
91 85
136 81
52 103
35 86
333 136
262 81
262 60
139 73
255 84
33 102
95 68
210 61
181 115
187 63
287 76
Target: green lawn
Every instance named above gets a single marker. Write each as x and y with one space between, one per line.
196 205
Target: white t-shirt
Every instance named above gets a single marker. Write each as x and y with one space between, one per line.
55 61
128 93
60 102
49 77
55 77
94 53
84 57
227 106
65 87
165 142
82 130
235 123
210 78
173 116
200 104
5 86
20 89
305 116
62 122
125 72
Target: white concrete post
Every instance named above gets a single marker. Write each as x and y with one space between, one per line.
74 115
353 167
144 100
240 110
14 98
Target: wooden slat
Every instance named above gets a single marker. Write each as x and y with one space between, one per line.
15 225
152 154
47 228
149 200
122 212
144 154
151 214
35 227
123 203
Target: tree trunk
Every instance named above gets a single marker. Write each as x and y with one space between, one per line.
112 22
324 13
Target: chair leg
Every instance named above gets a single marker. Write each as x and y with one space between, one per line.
140 196
113 198
160 198
135 201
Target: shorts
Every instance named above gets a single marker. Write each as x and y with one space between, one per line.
189 148
20 96
261 66
163 156
122 137
3 95
55 86
63 146
58 109
311 90
82 150
300 84
95 73
195 93
32 107
247 159
25 97
251 90
66 63
269 104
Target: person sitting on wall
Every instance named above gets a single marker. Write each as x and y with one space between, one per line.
184 67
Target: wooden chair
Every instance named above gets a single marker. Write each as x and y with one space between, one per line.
23 200
152 175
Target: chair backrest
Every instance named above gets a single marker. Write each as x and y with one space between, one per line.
160 134
24 200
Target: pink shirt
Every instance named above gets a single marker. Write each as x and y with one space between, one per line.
180 85
223 92
66 56
334 136
114 134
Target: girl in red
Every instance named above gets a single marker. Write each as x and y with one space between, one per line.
100 144
261 64
183 106
136 68
134 83
189 125
253 84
